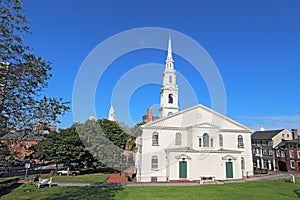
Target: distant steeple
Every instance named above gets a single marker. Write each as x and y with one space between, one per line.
111 115
261 128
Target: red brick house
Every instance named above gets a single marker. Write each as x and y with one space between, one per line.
19 143
287 155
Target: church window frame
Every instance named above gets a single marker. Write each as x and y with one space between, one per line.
243 163
221 140
155 138
240 141
178 138
154 162
170 98
170 79
205 140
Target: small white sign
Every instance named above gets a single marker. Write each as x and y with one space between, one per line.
27 165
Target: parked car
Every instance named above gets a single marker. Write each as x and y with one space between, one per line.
65 172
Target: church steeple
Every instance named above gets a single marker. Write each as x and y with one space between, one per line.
111 115
169 48
169 60
169 91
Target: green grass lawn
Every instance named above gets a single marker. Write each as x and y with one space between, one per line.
252 190
80 179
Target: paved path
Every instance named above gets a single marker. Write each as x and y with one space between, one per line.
117 180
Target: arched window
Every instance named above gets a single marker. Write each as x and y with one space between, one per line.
242 163
170 100
220 140
154 138
205 140
170 79
240 142
170 113
178 139
154 163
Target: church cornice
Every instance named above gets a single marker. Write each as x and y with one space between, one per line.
191 150
166 128
235 131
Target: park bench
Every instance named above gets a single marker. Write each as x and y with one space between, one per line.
206 178
43 182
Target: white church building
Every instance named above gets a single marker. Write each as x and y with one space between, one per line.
192 143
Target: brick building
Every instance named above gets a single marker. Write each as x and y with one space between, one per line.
19 143
287 154
263 145
149 116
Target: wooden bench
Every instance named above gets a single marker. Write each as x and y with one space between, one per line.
206 178
43 182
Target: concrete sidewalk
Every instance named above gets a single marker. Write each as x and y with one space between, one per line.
275 176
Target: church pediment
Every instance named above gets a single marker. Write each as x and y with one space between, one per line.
199 116
229 157
182 157
205 125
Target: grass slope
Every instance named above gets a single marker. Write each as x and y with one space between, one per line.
80 179
252 190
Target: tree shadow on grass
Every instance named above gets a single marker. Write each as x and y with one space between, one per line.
93 192
8 190
297 192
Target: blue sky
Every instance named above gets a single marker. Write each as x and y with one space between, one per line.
254 44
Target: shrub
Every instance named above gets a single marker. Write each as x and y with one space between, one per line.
52 172
36 177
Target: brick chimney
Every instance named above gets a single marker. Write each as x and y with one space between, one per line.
149 114
295 133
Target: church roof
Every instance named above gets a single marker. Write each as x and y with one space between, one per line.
199 107
265 135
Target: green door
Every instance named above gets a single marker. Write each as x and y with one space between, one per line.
229 170
182 169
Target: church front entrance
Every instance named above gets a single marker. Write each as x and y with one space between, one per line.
229 170
182 169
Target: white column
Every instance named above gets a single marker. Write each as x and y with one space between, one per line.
270 166
257 162
262 163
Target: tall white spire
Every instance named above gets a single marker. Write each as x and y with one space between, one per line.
169 60
170 48
169 91
111 115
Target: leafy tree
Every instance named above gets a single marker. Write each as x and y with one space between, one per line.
23 74
64 147
97 144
